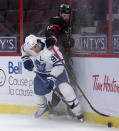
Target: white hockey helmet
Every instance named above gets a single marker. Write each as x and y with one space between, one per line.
30 41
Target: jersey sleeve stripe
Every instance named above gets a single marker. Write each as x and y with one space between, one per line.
55 29
57 65
55 25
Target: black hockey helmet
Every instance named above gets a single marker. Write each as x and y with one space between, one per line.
64 8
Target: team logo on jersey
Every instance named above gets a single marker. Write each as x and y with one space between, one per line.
49 27
2 77
40 67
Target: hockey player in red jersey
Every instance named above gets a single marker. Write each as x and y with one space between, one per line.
57 29
57 34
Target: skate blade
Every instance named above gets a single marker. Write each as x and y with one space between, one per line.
45 113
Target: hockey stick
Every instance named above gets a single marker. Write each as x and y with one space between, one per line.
77 84
80 117
55 91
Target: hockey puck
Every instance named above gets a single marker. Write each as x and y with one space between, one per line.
109 124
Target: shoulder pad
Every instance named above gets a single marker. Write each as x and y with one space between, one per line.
59 21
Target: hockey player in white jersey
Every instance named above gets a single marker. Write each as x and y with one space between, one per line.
51 70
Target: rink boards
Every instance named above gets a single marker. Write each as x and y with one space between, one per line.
16 87
98 78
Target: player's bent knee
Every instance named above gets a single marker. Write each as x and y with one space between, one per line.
67 91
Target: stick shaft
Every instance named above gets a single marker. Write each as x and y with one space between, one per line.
55 91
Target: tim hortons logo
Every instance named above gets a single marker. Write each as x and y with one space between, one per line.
106 84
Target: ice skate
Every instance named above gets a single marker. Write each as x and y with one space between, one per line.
41 111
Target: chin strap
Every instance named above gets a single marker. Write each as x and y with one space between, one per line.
43 45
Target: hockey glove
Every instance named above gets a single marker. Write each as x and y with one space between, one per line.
51 80
28 64
50 42
48 86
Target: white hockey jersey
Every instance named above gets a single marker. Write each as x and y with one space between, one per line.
45 62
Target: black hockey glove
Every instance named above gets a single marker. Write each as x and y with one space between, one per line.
50 42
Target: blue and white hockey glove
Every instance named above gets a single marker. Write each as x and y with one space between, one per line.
51 81
28 64
48 86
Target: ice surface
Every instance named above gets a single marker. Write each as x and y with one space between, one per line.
28 123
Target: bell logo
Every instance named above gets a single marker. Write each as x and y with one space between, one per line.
15 69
